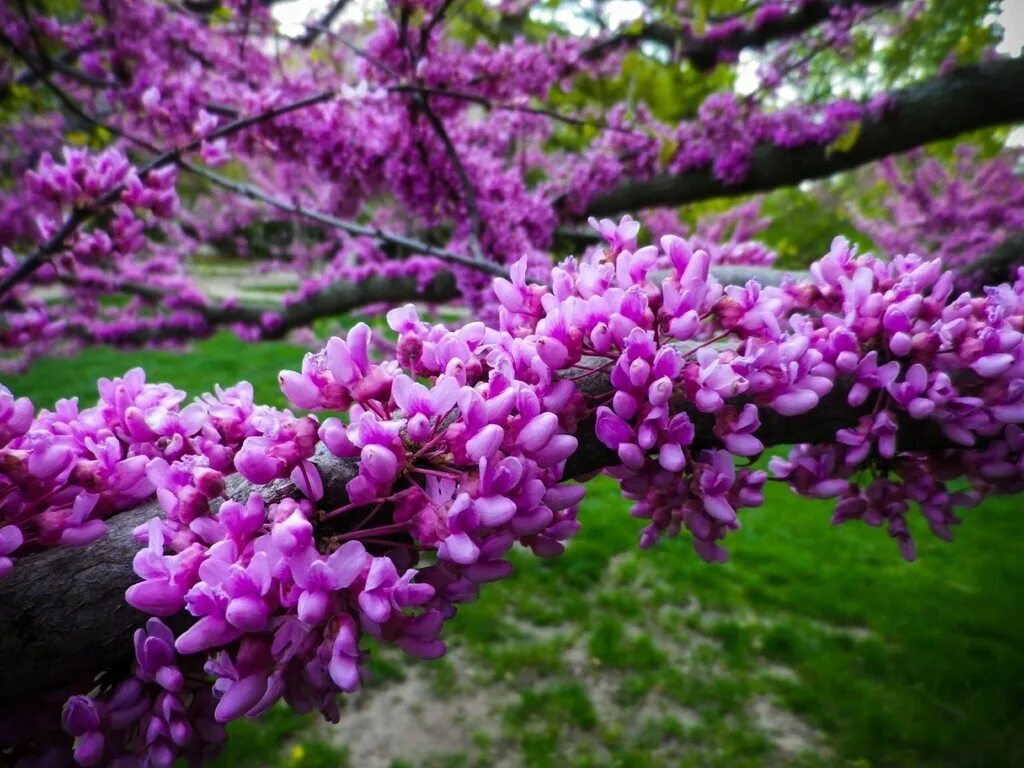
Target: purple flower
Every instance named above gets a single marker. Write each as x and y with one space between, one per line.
421 406
716 382
869 376
81 718
10 539
321 577
715 476
911 393
344 659
167 578
736 430
285 442
385 592
155 656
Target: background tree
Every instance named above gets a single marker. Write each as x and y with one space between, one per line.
450 154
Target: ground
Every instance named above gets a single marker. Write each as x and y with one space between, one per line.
813 646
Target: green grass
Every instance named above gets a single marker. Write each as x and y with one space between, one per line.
611 656
222 359
279 738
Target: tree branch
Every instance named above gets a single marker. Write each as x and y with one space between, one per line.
468 190
80 215
332 301
999 265
67 605
313 31
969 98
704 53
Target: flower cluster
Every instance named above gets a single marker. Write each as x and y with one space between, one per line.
85 179
93 261
281 592
960 213
913 351
458 448
62 472
496 174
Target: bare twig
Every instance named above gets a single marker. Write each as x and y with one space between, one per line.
468 190
80 215
351 227
313 31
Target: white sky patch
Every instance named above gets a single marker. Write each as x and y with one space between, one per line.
578 20
1011 19
293 15
747 81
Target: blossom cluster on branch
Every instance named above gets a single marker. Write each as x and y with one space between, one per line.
960 214
412 156
462 440
405 126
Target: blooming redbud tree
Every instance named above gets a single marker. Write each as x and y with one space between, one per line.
545 173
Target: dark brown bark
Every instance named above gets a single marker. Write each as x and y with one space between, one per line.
967 99
1000 265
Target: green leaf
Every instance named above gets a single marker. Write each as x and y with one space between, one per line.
847 140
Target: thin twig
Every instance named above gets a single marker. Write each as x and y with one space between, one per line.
360 52
468 190
81 215
351 227
313 31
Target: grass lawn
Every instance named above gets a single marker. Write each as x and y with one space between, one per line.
811 647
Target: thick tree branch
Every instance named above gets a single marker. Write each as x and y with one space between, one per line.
705 53
332 301
67 605
967 99
340 298
999 265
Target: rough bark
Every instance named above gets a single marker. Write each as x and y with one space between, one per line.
63 616
967 99
1000 265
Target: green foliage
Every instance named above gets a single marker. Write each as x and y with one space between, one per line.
222 359
278 738
963 27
